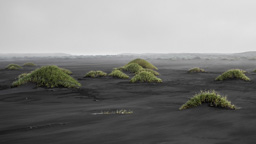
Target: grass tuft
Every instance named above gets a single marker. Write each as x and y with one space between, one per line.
29 64
94 74
196 70
13 67
143 63
48 76
118 74
145 76
210 97
233 74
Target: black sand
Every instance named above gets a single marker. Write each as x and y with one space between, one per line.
32 115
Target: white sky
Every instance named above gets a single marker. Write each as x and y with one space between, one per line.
127 26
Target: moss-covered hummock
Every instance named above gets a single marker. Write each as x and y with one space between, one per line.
118 74
132 68
143 63
22 75
13 67
66 71
145 76
94 74
149 70
196 70
233 74
29 64
210 97
48 76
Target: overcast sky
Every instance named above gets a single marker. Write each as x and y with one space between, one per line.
127 26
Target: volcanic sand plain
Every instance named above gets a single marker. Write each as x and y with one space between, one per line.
30 115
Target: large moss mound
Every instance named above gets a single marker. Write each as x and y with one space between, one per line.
145 76
210 97
29 64
143 63
48 76
233 74
13 67
132 67
196 70
66 71
94 74
118 74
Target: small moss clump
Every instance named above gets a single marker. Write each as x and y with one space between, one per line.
143 63
132 67
13 67
48 76
66 71
29 64
94 74
149 70
211 97
233 74
196 70
118 74
145 76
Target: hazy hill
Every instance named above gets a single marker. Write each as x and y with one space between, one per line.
230 56
33 55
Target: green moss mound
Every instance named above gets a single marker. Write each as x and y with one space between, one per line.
29 64
132 67
22 75
196 70
94 74
233 74
48 76
118 74
66 71
210 97
145 76
143 63
149 70
13 67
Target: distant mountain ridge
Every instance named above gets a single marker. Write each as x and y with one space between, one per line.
34 54
249 54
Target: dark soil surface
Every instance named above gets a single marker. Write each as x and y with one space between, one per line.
31 115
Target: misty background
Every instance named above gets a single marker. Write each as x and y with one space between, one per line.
99 27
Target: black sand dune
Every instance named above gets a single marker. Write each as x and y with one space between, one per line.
32 115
